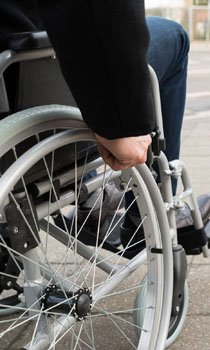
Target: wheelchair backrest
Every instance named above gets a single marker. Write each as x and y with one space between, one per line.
34 82
33 79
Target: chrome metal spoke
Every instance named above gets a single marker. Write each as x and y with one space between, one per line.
122 291
36 327
26 193
120 330
56 336
11 276
14 325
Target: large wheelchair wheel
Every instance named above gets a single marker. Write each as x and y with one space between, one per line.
79 283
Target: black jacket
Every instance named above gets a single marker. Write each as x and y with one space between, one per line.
102 48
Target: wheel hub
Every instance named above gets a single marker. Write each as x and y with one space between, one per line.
77 304
83 303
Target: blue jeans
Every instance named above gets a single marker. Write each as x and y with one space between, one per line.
168 56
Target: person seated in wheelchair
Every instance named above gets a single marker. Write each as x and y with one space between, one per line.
105 67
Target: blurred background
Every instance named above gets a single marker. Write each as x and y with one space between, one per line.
194 15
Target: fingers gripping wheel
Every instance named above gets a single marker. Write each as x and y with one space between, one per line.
76 294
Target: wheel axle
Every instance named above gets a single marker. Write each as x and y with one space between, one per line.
77 304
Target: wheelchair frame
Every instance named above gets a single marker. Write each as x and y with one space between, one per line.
162 206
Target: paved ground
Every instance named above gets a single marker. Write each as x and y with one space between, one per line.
196 154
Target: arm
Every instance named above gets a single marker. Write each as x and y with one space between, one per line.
102 47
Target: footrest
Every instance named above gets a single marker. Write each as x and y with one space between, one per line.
191 239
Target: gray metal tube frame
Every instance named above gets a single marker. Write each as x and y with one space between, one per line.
9 57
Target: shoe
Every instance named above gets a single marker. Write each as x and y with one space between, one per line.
112 200
132 239
184 218
192 240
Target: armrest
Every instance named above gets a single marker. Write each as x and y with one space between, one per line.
28 41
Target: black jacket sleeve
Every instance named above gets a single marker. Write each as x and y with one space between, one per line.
102 48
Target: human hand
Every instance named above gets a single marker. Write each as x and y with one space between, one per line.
124 152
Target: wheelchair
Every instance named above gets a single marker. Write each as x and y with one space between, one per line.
66 277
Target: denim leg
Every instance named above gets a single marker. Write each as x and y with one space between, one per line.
168 56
